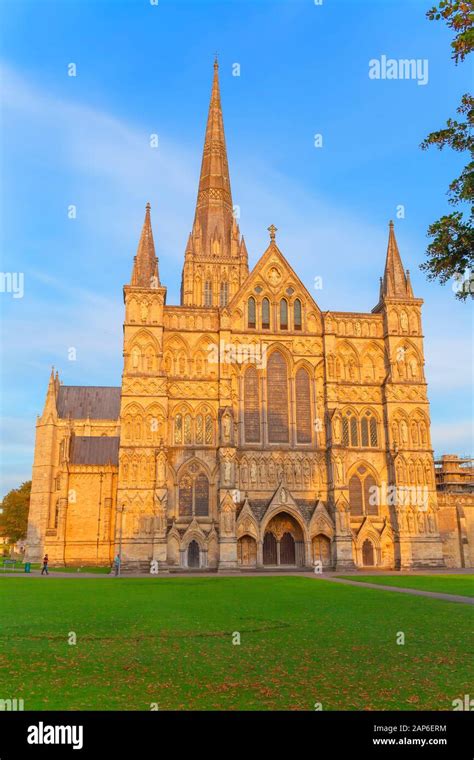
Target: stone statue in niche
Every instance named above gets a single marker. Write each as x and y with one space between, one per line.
226 427
144 312
253 472
404 321
161 469
404 432
337 428
421 522
228 520
227 472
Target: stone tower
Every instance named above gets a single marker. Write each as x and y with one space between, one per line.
141 500
407 418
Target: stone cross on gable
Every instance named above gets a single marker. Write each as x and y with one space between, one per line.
272 230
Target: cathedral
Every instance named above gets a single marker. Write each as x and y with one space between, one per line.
251 430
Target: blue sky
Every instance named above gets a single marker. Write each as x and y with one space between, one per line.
146 69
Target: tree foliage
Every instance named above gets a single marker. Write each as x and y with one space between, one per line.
451 252
14 518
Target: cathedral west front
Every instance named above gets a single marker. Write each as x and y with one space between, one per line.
251 430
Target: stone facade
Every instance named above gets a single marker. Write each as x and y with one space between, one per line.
250 430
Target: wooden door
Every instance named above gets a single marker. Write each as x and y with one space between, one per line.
193 554
269 549
368 553
287 550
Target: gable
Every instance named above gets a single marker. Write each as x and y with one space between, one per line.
273 278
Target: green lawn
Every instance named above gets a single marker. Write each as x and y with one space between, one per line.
20 567
444 584
169 640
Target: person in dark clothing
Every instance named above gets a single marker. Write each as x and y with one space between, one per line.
45 565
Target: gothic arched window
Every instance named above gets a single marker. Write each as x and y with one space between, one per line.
277 395
355 496
56 514
251 406
224 293
208 293
364 431
209 429
303 407
283 314
178 429
265 314
199 429
201 495
252 312
370 496
368 430
363 493
185 496
350 430
354 432
193 495
188 435
297 315
373 432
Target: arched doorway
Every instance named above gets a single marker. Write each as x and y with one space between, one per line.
283 542
247 551
269 549
287 550
193 554
322 550
368 553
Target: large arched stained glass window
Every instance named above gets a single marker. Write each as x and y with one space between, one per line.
251 406
185 496
303 407
201 495
355 496
371 496
277 399
193 495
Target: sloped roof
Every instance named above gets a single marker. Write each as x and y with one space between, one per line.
99 402
260 506
94 450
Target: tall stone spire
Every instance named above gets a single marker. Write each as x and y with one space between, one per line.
216 260
213 218
145 263
396 283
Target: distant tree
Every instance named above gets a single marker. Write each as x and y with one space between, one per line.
451 252
14 518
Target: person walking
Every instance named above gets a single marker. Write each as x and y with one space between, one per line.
45 565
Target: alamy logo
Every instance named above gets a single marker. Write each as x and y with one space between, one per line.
463 704
11 705
401 68
42 734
